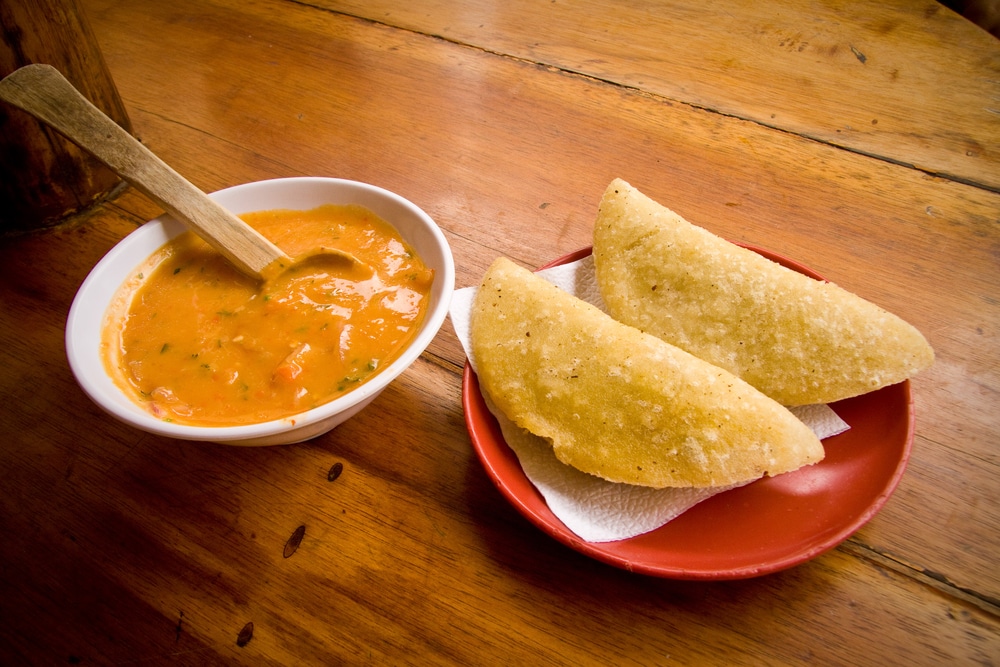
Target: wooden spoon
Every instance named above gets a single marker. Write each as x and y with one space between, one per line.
44 93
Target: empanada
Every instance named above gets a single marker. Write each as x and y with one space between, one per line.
796 339
618 403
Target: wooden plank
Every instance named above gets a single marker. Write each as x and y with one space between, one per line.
163 550
497 161
909 82
123 547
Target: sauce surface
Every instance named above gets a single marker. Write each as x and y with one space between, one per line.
197 342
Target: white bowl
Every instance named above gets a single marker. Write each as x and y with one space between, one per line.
86 316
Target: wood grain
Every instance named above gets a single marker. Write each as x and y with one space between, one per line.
123 547
42 91
43 177
870 77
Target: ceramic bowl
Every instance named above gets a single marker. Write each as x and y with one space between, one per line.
87 314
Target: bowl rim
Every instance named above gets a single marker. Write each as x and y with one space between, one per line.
104 391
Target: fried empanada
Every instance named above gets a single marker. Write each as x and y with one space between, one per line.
796 339
618 403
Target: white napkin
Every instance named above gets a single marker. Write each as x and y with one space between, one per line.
595 509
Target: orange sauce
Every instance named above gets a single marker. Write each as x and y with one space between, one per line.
202 344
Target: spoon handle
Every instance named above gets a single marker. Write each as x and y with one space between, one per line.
44 93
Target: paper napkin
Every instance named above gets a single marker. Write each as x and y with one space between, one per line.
595 509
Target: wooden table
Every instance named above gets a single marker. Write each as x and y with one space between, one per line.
862 139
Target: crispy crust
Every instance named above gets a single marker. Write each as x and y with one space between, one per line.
618 403
796 339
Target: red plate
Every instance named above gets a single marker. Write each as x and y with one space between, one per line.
767 526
